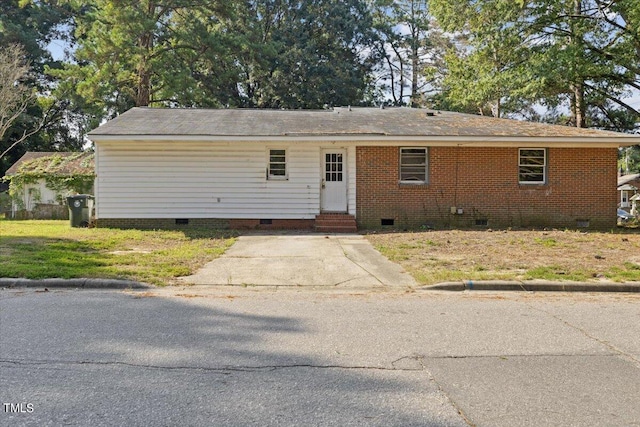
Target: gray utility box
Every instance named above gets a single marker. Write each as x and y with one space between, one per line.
80 209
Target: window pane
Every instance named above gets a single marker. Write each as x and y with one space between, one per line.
532 153
278 170
532 165
333 165
413 174
277 163
532 161
412 160
413 164
531 178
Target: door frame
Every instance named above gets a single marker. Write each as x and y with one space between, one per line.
345 178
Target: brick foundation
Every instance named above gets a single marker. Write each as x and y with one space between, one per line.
276 224
161 223
238 224
483 182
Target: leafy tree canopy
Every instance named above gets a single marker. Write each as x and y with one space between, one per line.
572 62
579 53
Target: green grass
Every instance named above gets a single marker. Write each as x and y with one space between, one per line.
46 249
627 272
554 273
546 242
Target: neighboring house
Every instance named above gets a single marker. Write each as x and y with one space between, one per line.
628 186
396 167
40 182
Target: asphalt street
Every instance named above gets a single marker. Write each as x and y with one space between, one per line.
232 356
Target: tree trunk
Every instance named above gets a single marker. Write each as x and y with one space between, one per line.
497 108
578 108
143 95
578 105
415 60
145 46
414 77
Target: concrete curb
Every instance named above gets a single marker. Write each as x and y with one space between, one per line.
534 286
72 283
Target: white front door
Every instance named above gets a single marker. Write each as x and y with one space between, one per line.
333 197
624 201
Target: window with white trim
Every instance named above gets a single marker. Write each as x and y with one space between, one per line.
413 165
532 165
277 164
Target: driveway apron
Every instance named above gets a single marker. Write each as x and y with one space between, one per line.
303 260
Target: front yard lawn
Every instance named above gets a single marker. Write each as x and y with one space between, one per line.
46 249
452 255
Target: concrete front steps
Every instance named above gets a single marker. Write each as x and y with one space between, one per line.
335 223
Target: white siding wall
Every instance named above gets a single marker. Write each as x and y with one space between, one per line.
208 180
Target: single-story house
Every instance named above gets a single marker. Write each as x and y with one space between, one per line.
40 182
333 169
628 186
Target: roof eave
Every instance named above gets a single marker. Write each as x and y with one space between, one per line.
375 139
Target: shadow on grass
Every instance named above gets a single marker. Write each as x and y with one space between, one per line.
42 257
148 256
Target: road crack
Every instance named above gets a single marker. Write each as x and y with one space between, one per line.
221 369
627 356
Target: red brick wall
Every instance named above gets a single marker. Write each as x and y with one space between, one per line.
581 186
276 224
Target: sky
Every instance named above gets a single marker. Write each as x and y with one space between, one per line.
634 101
56 48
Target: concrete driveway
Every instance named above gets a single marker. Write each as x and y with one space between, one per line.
310 260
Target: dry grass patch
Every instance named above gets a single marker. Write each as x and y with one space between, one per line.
445 255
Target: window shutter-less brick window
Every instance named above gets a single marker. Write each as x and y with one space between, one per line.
532 165
413 165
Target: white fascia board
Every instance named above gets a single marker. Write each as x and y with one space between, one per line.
383 140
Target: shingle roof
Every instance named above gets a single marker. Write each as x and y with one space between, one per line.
60 163
390 122
628 178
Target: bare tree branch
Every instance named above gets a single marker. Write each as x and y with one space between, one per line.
14 95
26 134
